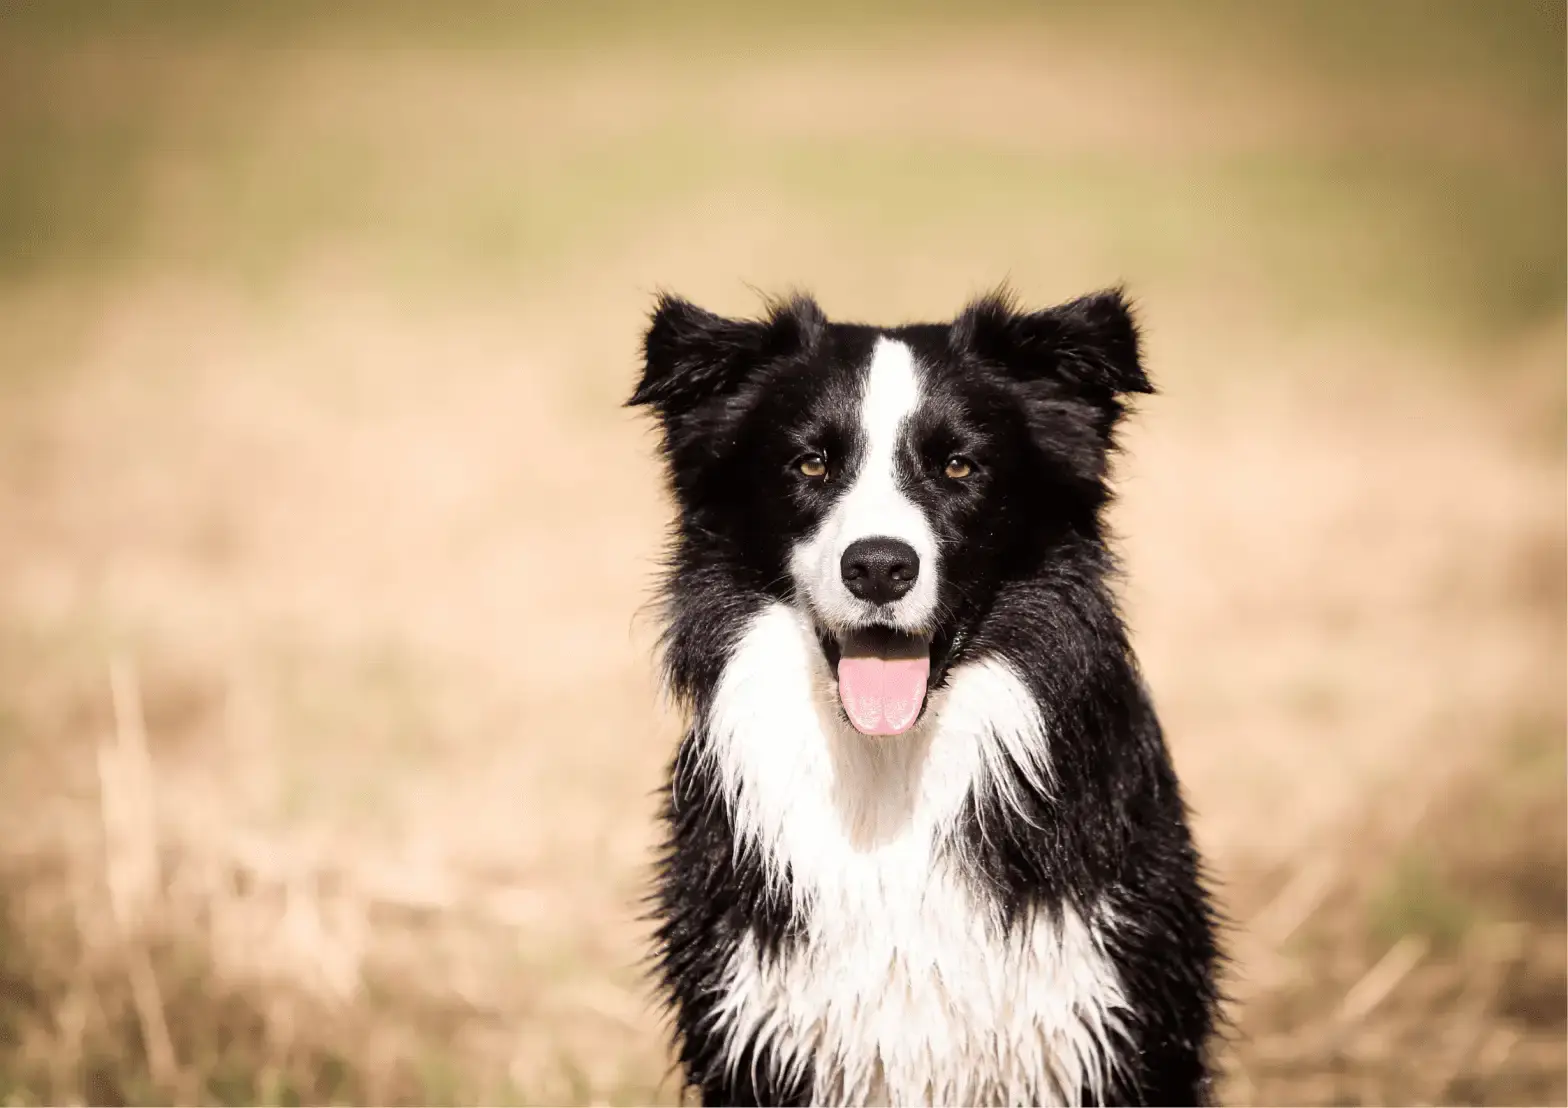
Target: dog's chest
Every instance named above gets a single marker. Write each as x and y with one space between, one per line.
898 990
900 993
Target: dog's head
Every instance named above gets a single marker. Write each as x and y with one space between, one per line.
889 482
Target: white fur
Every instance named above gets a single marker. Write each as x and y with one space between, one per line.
903 992
874 505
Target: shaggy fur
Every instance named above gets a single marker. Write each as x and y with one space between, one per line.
1001 904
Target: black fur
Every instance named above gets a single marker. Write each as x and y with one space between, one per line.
1035 398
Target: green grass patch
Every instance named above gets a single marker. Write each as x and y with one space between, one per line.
163 136
1418 899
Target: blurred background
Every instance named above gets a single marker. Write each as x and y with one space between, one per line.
328 729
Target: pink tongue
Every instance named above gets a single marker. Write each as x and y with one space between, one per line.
883 695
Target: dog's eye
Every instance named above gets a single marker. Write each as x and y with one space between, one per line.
958 467
813 465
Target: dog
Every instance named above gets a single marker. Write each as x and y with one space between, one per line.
925 844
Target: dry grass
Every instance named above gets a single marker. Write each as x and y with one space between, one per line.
327 727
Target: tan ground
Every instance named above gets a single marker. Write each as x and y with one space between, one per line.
327 725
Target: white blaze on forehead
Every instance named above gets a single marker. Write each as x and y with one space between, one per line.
892 391
874 505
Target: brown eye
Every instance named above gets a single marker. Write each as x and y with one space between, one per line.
958 468
814 465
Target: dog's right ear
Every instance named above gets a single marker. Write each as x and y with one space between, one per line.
691 355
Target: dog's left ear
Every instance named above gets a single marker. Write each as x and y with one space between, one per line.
1083 353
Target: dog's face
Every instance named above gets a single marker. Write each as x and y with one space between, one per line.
889 482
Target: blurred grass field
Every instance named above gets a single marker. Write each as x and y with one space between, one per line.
328 730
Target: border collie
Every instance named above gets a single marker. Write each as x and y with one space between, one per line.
925 844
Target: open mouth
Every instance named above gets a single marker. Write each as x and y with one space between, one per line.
882 677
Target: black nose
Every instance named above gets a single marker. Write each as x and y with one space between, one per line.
879 570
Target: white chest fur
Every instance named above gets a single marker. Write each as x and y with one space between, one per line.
901 993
